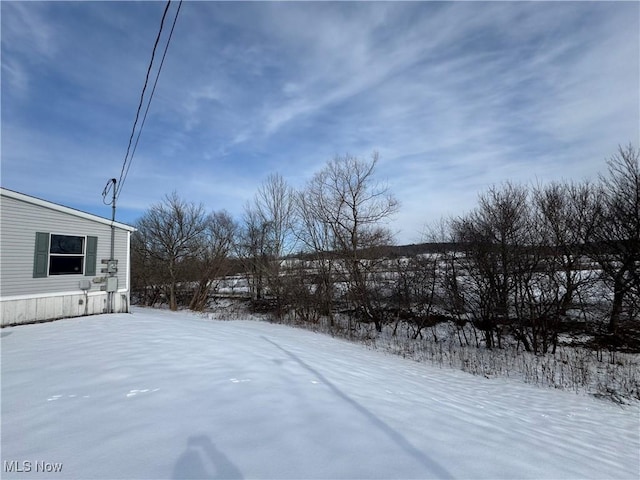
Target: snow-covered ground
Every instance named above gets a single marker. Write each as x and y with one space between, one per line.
157 394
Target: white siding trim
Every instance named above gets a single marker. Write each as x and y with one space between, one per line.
128 276
60 208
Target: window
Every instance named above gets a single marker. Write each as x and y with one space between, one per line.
64 255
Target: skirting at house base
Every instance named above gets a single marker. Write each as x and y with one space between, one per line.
58 262
21 310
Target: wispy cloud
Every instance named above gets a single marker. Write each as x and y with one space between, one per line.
454 96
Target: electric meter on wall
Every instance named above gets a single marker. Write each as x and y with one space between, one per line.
112 266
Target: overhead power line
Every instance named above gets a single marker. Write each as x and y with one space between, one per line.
155 83
144 89
126 164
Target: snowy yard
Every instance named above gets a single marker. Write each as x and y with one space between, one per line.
158 394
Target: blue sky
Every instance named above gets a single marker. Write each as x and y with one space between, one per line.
454 97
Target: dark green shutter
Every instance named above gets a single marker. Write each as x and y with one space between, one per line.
41 256
91 257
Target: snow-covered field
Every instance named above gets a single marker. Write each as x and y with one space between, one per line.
157 394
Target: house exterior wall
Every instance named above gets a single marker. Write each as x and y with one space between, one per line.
25 299
16 311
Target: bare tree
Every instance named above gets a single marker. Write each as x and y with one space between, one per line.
274 203
354 206
416 291
451 275
274 207
316 240
148 274
494 236
254 250
568 217
616 246
170 232
212 261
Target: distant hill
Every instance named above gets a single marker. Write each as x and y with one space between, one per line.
417 249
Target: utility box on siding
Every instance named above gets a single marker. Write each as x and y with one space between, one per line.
49 261
112 284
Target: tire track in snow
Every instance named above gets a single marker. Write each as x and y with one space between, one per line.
401 441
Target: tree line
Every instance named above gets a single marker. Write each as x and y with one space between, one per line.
528 262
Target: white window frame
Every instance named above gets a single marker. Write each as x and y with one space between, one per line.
83 255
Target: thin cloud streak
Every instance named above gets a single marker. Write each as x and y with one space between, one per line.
454 96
